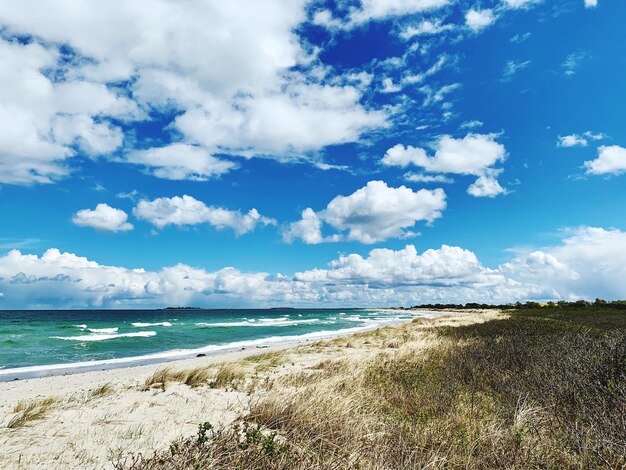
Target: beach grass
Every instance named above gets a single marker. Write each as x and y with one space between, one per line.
103 390
31 410
224 375
542 388
193 377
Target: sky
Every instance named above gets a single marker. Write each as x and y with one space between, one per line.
261 153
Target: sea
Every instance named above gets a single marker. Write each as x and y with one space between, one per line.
48 342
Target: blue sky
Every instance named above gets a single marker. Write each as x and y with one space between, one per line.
311 153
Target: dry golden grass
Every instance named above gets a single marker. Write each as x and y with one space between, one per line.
523 391
229 375
267 360
193 377
28 411
102 391
225 375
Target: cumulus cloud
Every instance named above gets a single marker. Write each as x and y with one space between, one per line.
486 186
234 74
308 229
477 20
578 140
371 214
187 210
180 162
587 262
103 217
46 122
67 280
591 3
474 154
611 160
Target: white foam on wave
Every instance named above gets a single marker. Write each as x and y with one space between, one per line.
224 324
82 327
103 330
145 325
104 337
263 322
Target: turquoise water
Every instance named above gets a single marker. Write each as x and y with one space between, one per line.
42 342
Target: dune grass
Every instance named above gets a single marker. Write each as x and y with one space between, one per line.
267 359
103 390
225 375
194 377
532 389
31 410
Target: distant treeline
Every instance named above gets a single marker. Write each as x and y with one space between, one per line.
616 304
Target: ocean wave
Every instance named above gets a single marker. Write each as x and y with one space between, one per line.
263 322
104 337
173 354
103 330
145 325
182 353
82 327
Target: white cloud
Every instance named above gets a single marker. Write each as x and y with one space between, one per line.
308 229
103 217
436 95
572 140
371 214
591 3
611 160
471 124
588 262
519 38
237 76
443 60
389 86
45 122
521 3
572 62
67 280
578 140
180 162
474 154
426 28
402 156
512 67
478 20
372 10
471 155
486 186
187 210
421 178
448 265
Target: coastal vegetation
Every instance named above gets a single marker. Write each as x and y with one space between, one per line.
31 410
533 387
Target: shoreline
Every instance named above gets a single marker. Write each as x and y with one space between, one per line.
89 419
210 351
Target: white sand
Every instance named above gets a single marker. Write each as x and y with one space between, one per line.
85 432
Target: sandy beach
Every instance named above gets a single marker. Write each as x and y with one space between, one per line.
94 418
423 393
